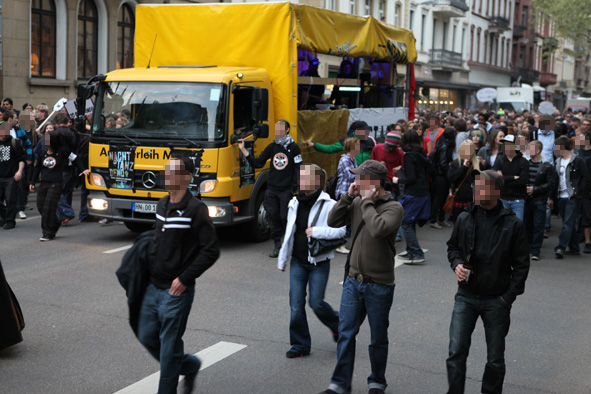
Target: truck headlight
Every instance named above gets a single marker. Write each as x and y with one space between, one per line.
98 180
207 186
98 203
216 212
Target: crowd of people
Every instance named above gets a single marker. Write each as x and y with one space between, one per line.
49 153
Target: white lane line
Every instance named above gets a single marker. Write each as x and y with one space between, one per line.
208 357
118 249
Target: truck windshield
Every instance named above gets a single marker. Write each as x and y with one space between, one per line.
161 110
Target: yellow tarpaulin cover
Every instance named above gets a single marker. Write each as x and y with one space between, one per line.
264 35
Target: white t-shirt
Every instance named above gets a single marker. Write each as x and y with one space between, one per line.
563 189
493 158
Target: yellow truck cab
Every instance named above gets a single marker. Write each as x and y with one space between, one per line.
205 76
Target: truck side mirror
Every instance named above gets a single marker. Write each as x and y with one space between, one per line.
260 104
261 130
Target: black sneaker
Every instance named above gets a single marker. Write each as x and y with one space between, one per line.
189 383
276 249
559 253
570 252
9 225
587 249
292 354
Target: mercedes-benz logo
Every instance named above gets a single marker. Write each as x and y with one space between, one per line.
149 180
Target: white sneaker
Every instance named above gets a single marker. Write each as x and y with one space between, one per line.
105 221
403 256
342 249
22 215
436 225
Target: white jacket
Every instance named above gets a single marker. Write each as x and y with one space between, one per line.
321 229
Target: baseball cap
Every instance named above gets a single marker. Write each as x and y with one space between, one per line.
509 138
393 138
371 167
491 175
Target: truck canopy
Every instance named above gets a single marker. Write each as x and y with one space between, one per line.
264 35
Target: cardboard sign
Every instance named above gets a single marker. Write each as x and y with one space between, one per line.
73 112
121 167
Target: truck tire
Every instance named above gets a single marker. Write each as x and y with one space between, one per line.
138 227
258 229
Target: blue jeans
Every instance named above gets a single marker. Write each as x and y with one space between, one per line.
315 277
569 209
517 206
496 318
413 248
162 323
535 222
357 301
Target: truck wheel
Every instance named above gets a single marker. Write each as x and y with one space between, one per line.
258 230
137 227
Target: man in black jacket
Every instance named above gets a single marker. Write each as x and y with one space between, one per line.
539 185
184 246
514 169
489 253
284 172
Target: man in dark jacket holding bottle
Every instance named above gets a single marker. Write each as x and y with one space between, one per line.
284 172
489 253
185 245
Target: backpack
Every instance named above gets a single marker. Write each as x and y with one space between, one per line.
331 186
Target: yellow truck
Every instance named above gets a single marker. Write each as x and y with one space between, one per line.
206 75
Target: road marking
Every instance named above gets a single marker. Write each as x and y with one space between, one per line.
208 357
121 249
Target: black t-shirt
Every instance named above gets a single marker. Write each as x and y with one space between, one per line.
11 154
50 166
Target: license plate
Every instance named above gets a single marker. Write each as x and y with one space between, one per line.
144 207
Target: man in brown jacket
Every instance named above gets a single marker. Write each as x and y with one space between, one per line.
369 286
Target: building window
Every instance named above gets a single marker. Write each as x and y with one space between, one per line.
444 36
43 43
478 45
329 5
125 29
382 12
508 53
411 19
522 57
524 15
87 39
367 7
434 35
463 41
502 53
423 19
352 7
472 43
397 15
453 38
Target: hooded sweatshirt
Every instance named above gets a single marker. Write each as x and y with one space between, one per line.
415 176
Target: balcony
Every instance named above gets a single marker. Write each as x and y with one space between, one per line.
547 79
498 24
550 43
450 8
519 30
442 59
527 75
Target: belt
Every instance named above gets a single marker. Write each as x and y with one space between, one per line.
362 279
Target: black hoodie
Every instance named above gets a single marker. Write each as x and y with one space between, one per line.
415 176
515 189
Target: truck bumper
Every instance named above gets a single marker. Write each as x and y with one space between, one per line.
221 210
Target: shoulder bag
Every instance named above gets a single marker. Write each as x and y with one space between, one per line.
322 246
449 203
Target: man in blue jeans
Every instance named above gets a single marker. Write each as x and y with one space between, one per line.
184 246
489 253
572 179
369 287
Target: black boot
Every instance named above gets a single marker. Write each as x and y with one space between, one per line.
276 248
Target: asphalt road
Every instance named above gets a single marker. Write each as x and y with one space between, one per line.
77 338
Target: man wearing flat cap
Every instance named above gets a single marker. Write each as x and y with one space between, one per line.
368 288
489 254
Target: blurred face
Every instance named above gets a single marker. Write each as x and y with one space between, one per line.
467 151
309 179
280 130
361 134
28 121
420 131
537 118
29 108
481 120
355 149
580 141
500 136
4 130
586 125
510 148
522 142
13 121
433 123
175 176
559 150
389 148
524 126
485 191
49 128
366 182
398 128
532 150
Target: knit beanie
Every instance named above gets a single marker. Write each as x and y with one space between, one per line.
393 138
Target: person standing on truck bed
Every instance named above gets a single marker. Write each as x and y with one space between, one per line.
286 157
